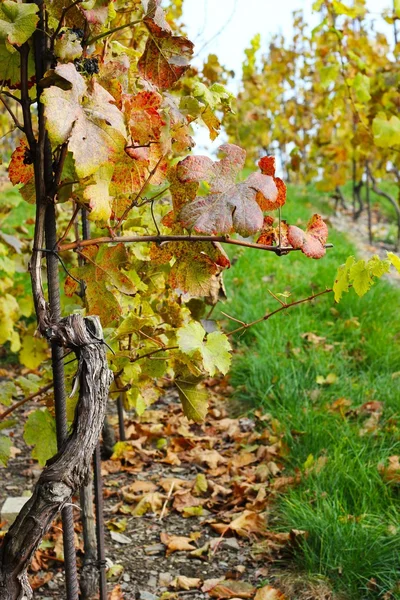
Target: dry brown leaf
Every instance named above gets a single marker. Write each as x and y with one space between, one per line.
116 593
149 503
212 458
232 589
186 583
209 584
247 524
268 593
37 581
391 473
185 499
166 483
243 459
176 543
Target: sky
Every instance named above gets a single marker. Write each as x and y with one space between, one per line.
225 28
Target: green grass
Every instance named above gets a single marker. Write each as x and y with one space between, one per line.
350 513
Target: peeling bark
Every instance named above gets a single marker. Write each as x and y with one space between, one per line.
68 470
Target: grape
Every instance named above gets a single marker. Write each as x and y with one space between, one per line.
90 66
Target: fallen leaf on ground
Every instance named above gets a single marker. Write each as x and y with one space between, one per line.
186 583
268 593
391 473
232 589
176 543
247 524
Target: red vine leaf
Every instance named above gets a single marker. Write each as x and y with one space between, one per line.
229 206
166 56
267 166
312 241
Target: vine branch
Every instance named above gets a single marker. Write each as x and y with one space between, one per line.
274 312
161 239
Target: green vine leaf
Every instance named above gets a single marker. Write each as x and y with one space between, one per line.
214 351
40 432
359 274
5 449
194 400
386 132
17 21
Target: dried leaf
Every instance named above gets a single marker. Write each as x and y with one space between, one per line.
186 583
232 589
176 543
312 241
268 593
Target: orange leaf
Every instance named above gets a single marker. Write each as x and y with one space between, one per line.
20 169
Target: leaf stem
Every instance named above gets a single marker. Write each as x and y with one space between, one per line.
111 31
278 310
12 115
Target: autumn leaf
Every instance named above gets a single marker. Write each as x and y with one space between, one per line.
165 57
196 267
232 589
97 12
176 543
186 583
34 351
229 206
67 46
312 241
101 272
271 235
245 525
96 196
154 12
391 473
267 167
143 117
20 169
394 260
267 592
85 115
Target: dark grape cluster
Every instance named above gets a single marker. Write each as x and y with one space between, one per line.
78 32
90 66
